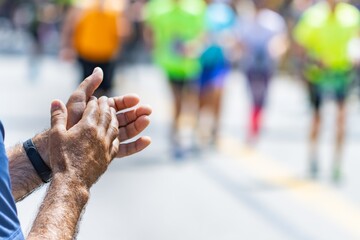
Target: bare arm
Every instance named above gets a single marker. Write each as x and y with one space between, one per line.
61 210
24 179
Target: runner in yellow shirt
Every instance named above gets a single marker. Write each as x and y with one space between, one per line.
324 32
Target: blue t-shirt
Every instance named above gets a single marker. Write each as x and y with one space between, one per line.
9 222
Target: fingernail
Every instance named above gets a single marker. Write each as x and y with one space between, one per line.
55 105
96 70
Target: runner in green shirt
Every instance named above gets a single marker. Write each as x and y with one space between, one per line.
324 32
174 31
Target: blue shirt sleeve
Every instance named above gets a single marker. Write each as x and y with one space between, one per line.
9 222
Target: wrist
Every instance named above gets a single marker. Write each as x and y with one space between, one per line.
43 170
41 141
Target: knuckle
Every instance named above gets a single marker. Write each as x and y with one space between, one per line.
87 80
92 135
55 132
107 114
114 130
77 96
103 99
89 126
92 128
103 143
55 116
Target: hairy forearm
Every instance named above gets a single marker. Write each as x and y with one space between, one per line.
24 178
61 209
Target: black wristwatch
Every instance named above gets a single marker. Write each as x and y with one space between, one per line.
38 163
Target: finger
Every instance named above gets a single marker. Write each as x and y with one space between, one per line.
77 101
134 128
91 113
114 149
128 149
130 116
58 115
113 129
124 102
105 113
91 83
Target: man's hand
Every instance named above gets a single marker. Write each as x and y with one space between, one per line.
84 151
131 123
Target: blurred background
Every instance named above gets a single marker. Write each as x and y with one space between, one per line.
255 111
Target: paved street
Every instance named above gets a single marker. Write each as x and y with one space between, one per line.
236 192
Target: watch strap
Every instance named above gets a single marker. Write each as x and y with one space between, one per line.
36 160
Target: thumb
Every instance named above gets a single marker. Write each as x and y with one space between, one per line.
77 102
58 115
91 83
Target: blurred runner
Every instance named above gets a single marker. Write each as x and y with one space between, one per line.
173 33
93 30
355 52
43 29
325 31
292 13
219 20
134 50
263 39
